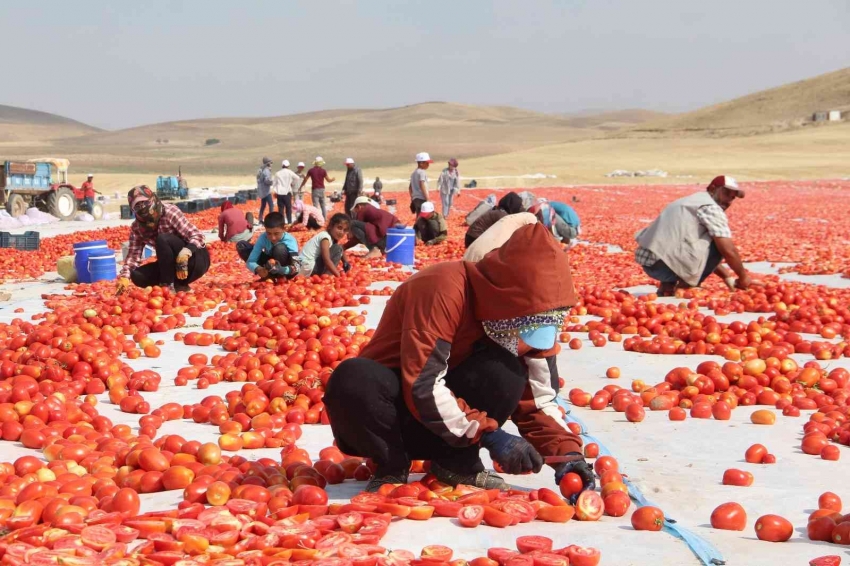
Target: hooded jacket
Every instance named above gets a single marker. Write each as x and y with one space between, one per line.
432 321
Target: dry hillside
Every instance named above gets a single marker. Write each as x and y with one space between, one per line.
22 126
775 109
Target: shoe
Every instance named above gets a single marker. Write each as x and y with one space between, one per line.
666 290
381 478
484 480
181 288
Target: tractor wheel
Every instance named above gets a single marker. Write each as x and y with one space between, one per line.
16 205
62 204
97 211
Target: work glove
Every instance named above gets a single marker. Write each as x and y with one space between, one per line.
183 263
514 454
579 466
122 285
431 243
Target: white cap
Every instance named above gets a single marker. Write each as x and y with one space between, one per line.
301 164
362 200
349 161
90 175
426 207
420 157
285 163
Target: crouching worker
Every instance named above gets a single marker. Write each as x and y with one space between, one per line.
369 227
430 226
310 217
322 253
233 226
460 348
275 254
181 253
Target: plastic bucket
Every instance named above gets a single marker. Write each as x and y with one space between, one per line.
400 244
102 267
82 251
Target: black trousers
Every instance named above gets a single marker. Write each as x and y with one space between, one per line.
416 205
285 202
266 200
369 417
164 270
279 252
426 229
319 268
349 202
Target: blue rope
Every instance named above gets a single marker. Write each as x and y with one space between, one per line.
706 552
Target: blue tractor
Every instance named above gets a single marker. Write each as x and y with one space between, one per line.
171 187
41 183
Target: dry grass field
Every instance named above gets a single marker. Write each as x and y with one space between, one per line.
765 135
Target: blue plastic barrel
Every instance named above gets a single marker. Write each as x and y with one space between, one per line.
81 257
400 244
102 267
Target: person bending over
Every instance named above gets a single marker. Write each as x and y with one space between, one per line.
369 227
511 203
430 226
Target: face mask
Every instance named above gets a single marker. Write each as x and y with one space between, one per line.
507 332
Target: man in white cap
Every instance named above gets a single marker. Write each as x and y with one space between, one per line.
285 183
89 192
299 170
352 187
319 177
418 188
430 226
690 238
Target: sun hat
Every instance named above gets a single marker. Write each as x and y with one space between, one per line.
349 161
318 160
423 156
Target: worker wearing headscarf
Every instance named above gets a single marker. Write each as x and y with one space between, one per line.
460 348
181 253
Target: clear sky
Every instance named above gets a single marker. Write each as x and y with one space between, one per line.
121 63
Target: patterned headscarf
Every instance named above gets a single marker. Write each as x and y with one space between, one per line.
506 332
147 208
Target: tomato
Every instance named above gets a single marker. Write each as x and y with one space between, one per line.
648 519
470 516
570 484
546 495
437 553
830 452
501 555
420 513
584 556
483 561
773 528
755 454
589 506
309 495
446 508
529 543
350 522
617 504
332 541
126 501
821 529
605 464
97 537
763 417
829 500
736 477
521 510
831 560
841 533
729 517
556 513
495 518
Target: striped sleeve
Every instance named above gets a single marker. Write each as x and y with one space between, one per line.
185 229
538 417
424 365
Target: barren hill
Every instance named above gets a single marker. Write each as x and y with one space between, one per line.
775 109
22 126
373 137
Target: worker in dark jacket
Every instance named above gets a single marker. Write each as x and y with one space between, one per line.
352 187
369 227
462 347
511 203
430 226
